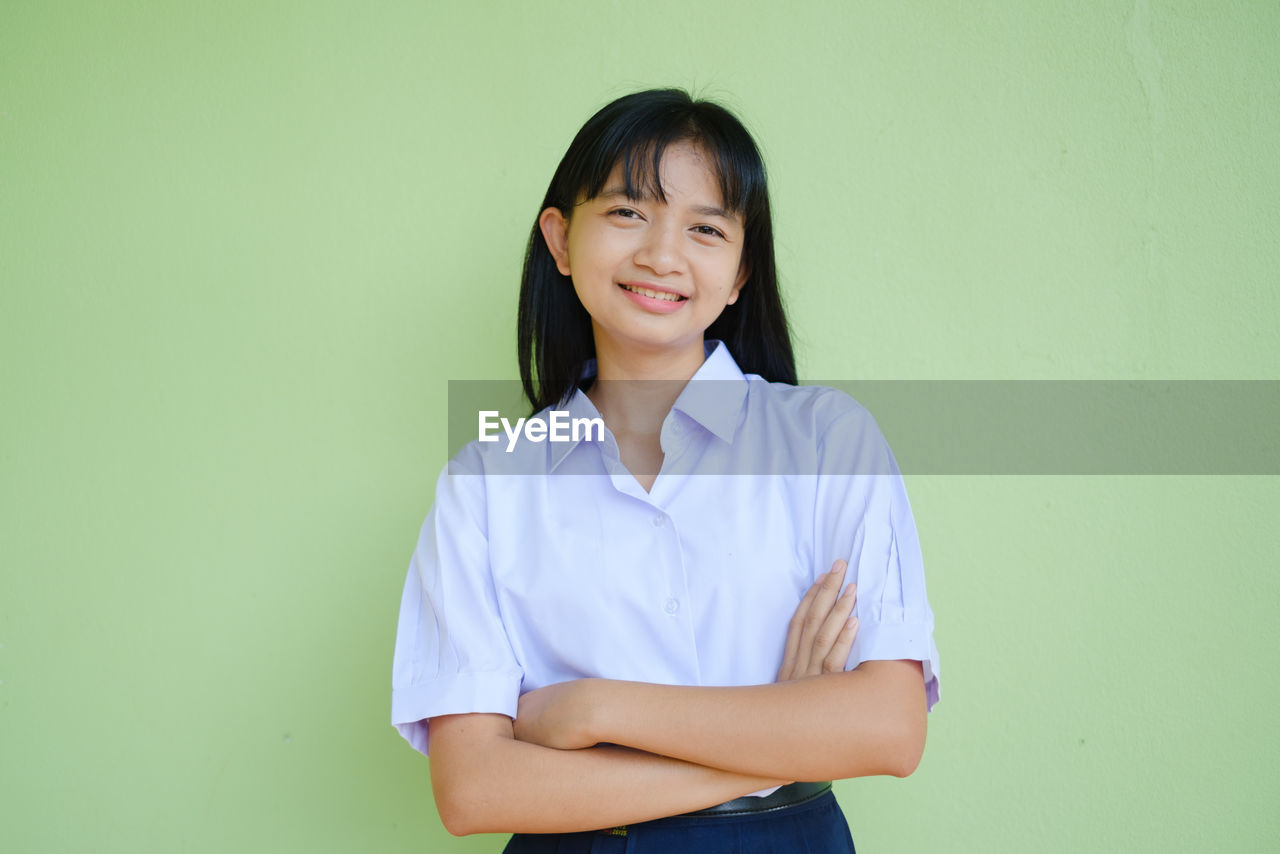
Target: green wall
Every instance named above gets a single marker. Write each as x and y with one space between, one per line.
243 247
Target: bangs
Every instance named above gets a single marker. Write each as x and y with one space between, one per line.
636 143
641 166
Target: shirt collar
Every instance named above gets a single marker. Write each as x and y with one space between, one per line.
578 405
716 405
714 395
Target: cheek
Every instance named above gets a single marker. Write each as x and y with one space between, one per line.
725 272
580 252
596 257
587 285
585 273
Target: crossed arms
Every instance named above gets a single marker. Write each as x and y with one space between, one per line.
595 753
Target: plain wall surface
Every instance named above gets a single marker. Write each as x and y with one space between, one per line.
244 246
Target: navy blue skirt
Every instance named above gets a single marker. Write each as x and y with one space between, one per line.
814 827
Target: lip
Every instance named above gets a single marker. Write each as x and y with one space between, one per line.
652 287
657 306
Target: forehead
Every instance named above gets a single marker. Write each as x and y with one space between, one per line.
681 172
648 170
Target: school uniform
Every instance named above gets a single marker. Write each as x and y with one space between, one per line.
549 562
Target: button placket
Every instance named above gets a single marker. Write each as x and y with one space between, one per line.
670 588
670 604
673 437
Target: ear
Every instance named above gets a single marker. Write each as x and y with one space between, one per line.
555 230
744 273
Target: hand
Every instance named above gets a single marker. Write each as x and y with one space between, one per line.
556 715
821 632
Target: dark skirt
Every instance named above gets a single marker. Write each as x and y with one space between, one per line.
813 827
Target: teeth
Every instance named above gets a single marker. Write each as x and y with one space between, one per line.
654 294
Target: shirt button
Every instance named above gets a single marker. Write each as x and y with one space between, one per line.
659 520
671 606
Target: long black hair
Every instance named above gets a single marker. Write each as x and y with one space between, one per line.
554 339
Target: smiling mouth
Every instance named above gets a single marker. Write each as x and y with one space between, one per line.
652 294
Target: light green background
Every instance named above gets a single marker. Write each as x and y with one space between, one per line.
243 247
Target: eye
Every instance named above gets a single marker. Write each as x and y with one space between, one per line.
625 213
709 231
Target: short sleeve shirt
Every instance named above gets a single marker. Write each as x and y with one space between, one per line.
548 561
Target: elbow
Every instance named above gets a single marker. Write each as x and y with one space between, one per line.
466 758
905 760
463 803
456 828
891 755
906 746
900 720
458 812
456 825
453 824
893 750
894 747
453 812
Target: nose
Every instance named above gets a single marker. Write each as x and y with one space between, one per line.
660 250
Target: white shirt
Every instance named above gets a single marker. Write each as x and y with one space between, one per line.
550 562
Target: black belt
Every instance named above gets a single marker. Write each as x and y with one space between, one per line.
789 795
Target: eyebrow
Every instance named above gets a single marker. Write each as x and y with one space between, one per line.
702 210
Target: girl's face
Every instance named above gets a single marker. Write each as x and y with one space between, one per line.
653 275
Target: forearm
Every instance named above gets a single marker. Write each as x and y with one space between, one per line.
485 781
868 721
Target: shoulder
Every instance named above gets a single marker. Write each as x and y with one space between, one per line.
841 431
814 408
487 468
510 445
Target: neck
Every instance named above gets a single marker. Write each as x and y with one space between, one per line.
634 393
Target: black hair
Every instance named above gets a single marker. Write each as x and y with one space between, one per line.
554 339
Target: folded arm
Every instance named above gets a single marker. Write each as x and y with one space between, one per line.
485 781
817 722
870 720
561 767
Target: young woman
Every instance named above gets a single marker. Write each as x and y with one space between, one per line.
638 637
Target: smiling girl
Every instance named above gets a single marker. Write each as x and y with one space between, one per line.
640 641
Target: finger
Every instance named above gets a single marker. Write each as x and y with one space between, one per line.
838 657
829 633
824 598
828 589
792 648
